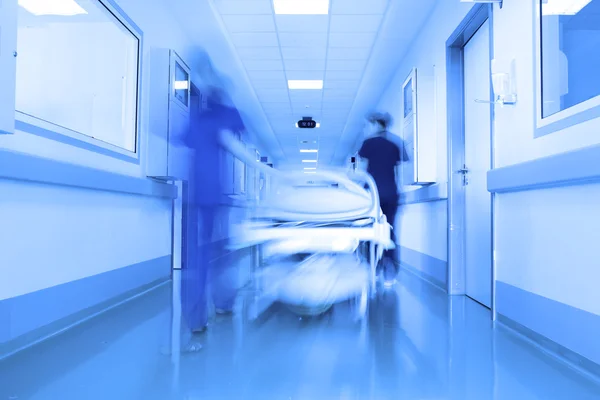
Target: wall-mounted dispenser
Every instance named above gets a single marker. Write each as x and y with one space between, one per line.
504 82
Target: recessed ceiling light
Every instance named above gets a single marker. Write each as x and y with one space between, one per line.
54 7
308 161
305 84
301 7
308 151
309 168
554 7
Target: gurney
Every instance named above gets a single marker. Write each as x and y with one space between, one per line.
334 219
337 221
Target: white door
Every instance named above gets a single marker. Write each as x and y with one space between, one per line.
478 204
8 62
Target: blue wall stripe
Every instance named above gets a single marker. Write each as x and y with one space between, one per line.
426 266
49 134
438 191
24 167
570 168
30 312
571 327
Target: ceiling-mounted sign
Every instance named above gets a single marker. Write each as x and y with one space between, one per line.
306 122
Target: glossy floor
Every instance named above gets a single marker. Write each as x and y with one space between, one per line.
418 344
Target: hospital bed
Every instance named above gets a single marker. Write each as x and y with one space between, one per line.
334 219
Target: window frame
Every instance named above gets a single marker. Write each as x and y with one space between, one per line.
577 114
36 126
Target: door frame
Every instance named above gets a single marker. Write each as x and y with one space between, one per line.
456 273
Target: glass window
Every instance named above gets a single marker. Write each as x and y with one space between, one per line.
408 98
78 69
182 84
570 39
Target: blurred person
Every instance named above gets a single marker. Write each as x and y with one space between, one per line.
383 152
207 279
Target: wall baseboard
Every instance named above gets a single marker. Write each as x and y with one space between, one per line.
552 348
34 317
572 328
425 266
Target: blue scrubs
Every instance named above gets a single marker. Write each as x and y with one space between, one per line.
384 155
205 274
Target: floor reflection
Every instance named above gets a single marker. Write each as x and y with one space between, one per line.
418 344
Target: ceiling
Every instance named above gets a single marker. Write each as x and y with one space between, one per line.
355 50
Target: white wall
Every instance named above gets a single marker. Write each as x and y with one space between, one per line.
545 238
423 226
52 235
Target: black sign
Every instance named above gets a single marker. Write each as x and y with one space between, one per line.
307 124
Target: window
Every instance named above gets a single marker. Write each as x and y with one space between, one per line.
570 39
77 70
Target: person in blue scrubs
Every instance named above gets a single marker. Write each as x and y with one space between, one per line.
384 152
206 276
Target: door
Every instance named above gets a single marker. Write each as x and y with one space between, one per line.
8 62
478 204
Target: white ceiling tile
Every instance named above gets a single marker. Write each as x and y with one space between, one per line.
354 84
305 75
302 23
264 39
351 39
259 53
310 40
346 65
305 95
300 53
249 23
305 65
355 23
243 7
360 7
339 92
269 84
266 75
343 75
348 53
263 65
272 95
279 106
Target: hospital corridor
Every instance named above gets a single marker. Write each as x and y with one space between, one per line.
299 199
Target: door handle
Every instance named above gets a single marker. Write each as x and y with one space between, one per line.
463 171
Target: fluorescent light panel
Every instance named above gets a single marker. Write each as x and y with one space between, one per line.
305 84
309 168
308 161
308 151
563 7
52 7
301 7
